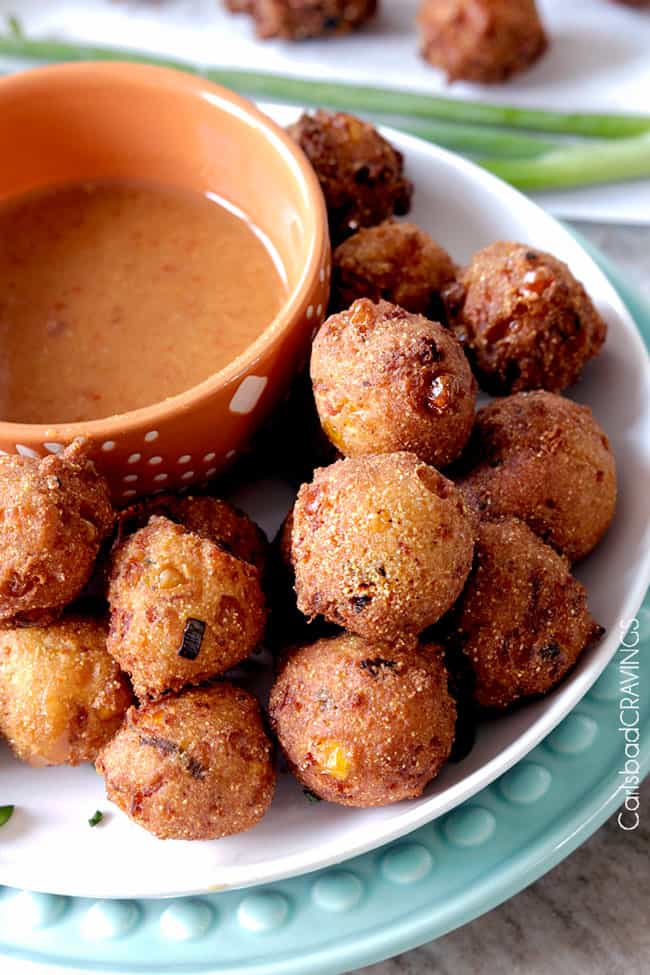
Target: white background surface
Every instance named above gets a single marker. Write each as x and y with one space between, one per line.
599 59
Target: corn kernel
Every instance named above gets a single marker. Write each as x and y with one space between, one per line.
334 759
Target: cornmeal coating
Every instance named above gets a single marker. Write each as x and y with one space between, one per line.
55 514
297 20
386 380
523 319
481 40
62 696
364 723
361 174
522 620
544 459
193 766
393 261
210 518
381 545
182 609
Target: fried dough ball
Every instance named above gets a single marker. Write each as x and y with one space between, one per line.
394 261
522 619
55 514
193 766
360 173
544 459
296 20
364 724
62 697
182 609
385 380
524 320
380 545
210 518
481 40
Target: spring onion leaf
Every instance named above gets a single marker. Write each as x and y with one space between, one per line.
15 28
96 818
6 812
577 165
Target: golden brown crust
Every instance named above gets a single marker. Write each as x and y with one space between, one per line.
524 320
296 20
194 766
385 380
182 609
395 262
522 619
544 459
55 514
481 40
363 724
208 517
62 697
381 545
360 173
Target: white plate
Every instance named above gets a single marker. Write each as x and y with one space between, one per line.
48 845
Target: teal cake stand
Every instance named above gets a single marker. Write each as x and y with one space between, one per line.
388 901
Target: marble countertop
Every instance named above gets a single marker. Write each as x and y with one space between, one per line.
588 916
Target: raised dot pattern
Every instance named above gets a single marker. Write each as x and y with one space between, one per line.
262 912
406 863
469 826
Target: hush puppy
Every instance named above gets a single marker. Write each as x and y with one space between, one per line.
193 766
182 609
360 173
524 320
55 514
544 459
394 261
363 724
522 619
297 20
210 518
481 40
386 380
380 545
62 697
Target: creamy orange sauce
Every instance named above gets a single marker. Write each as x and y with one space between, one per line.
115 296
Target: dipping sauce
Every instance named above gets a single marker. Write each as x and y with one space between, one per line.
115 296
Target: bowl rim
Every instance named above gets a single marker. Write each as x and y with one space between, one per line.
287 317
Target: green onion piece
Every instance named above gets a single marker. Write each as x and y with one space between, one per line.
6 812
355 98
15 28
96 818
577 165
311 796
473 139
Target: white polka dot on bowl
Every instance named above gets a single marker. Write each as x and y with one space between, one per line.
184 458
27 451
248 394
188 475
208 457
108 445
151 436
154 461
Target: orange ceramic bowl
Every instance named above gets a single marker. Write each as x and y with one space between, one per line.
111 121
